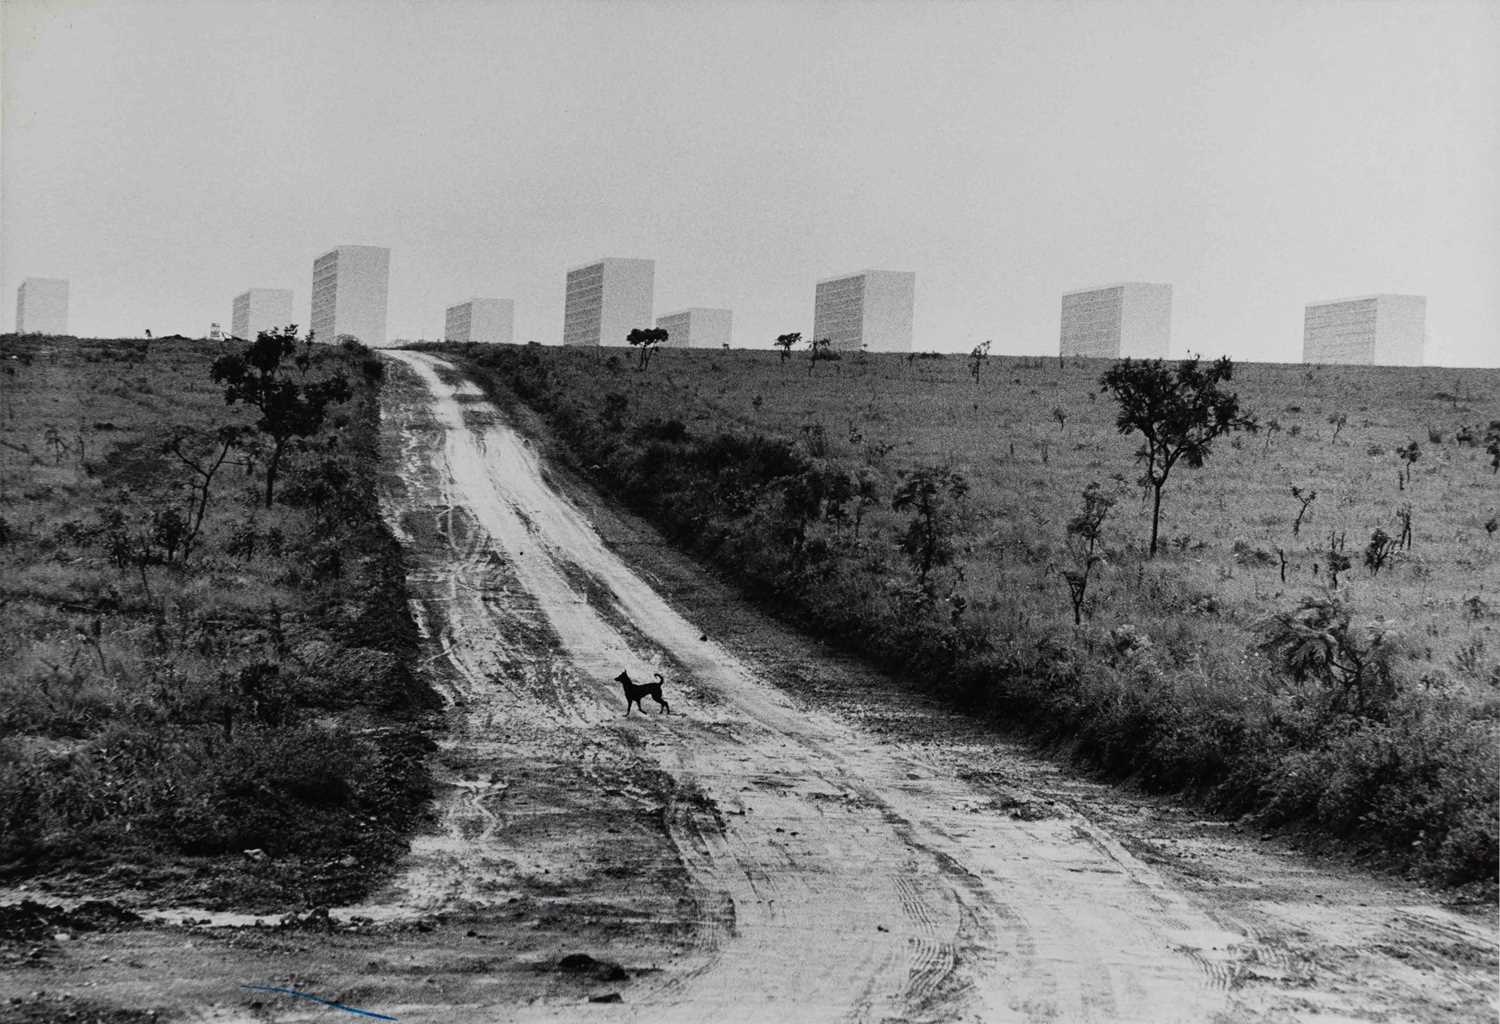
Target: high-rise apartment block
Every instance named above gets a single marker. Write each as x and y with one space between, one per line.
1387 330
261 309
1132 319
487 320
606 300
349 293
869 310
42 306
697 328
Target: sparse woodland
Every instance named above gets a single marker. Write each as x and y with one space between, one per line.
1313 644
204 686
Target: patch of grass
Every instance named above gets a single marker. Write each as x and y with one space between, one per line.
172 710
786 479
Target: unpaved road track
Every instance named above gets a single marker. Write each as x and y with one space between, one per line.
845 880
829 851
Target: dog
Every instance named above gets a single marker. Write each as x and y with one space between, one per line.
635 691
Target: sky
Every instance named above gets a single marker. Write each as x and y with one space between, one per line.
1258 156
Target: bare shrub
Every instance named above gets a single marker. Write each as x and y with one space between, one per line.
1306 500
931 494
1378 552
1084 529
1408 454
1316 642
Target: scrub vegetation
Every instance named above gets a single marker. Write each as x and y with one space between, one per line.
984 526
206 684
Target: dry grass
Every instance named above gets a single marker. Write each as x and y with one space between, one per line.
154 709
1026 476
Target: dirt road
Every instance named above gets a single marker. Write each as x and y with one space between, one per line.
846 878
799 841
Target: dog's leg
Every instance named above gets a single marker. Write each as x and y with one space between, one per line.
656 694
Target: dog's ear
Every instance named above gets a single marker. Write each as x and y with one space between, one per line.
623 677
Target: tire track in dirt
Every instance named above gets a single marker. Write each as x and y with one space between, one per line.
870 904
741 880
501 656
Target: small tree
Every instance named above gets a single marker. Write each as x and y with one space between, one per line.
1272 429
204 454
1378 551
53 439
1337 420
816 493
786 342
1061 416
819 351
977 359
1083 545
930 493
1178 412
289 408
168 531
1409 455
1337 561
647 339
1306 500
1492 445
1403 516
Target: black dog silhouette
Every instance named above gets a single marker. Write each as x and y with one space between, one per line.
635 691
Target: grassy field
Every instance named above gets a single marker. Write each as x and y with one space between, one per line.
222 712
1187 671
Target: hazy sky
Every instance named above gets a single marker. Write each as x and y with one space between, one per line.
1257 155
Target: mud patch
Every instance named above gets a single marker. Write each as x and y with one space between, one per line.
53 1008
581 965
29 920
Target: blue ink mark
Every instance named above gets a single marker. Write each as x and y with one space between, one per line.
318 999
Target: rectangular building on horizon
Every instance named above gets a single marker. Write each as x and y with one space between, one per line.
606 300
42 306
349 289
871 310
1131 319
260 309
698 327
1383 330
491 321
